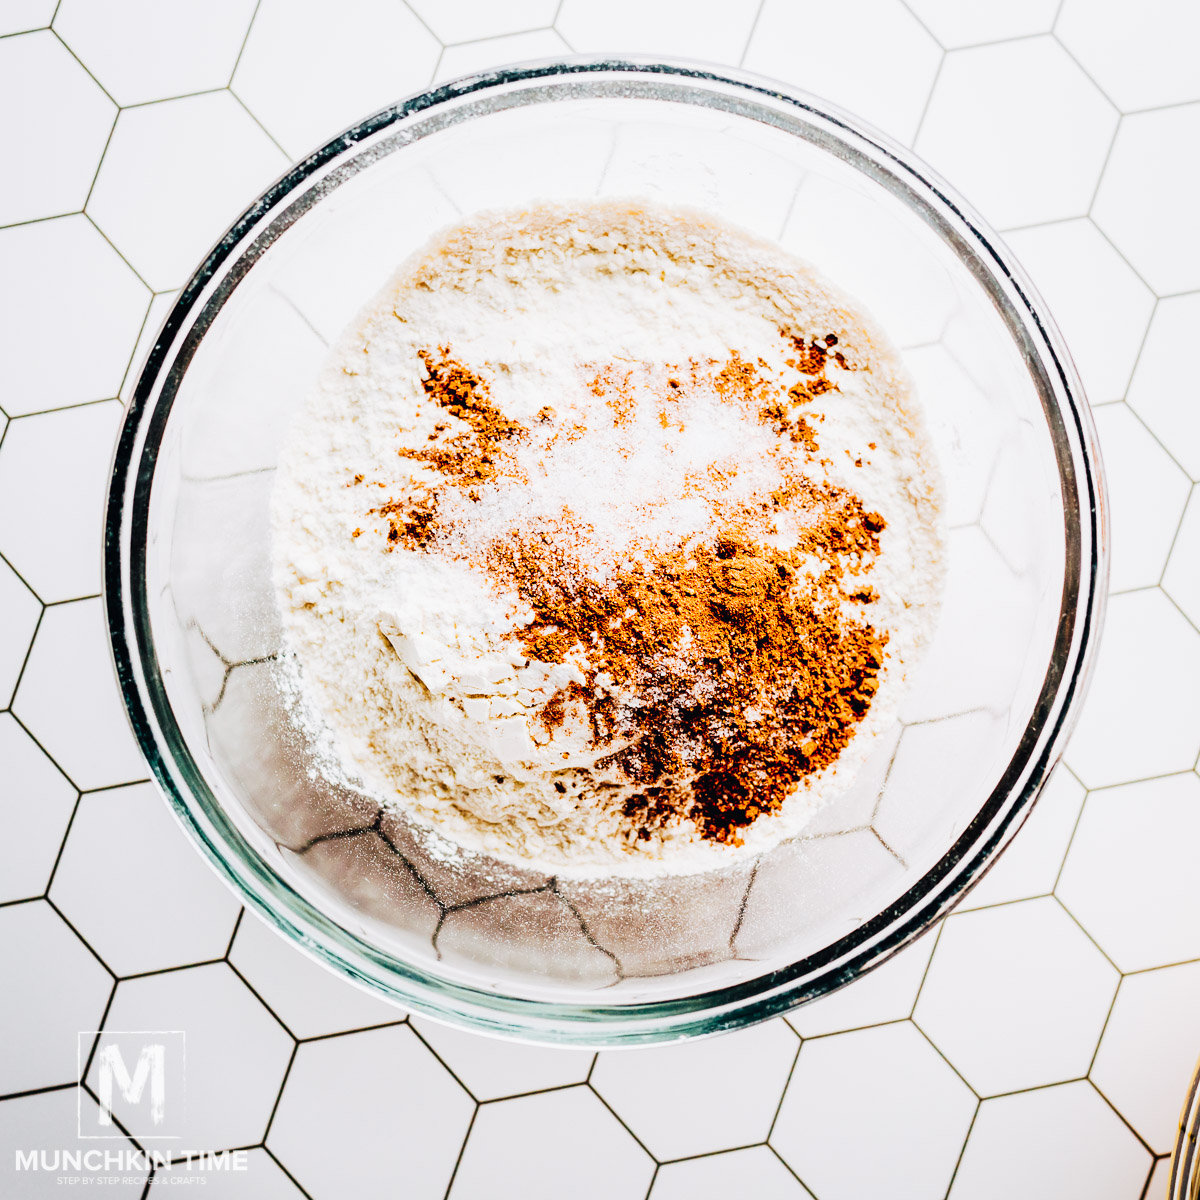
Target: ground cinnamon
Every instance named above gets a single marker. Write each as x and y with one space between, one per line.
724 673
468 457
744 672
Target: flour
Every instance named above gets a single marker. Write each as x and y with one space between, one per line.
601 331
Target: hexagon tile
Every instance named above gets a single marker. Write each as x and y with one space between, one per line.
1037 1044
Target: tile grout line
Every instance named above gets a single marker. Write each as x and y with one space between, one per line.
237 62
1075 920
83 66
116 250
1193 493
1142 1141
279 1163
758 12
1089 77
270 136
287 1071
495 37
912 12
257 995
962 1150
66 408
937 75
462 1150
620 1121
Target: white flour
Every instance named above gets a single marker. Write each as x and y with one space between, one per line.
404 657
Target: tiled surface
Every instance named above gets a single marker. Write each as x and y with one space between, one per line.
1037 1045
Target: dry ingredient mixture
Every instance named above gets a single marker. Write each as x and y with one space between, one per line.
607 541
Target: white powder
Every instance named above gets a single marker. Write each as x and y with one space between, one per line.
405 657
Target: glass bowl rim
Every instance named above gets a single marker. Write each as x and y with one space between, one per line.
775 991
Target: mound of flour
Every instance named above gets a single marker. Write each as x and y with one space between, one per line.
406 655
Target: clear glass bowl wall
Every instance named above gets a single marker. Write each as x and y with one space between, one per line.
195 628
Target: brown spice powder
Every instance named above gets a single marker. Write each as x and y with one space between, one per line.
746 673
467 458
463 394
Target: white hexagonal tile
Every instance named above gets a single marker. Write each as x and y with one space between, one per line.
49 1124
39 79
976 576
68 698
75 291
1181 580
887 993
261 1179
1147 492
209 668
886 79
385 1102
1149 1049
954 23
658 926
1136 72
1016 996
550 932
887 1084
308 71
492 52
747 185
710 29
18 16
160 211
1145 200
492 1068
1164 392
857 806
36 802
1047 1144
541 1147
1142 712
714 1094
1099 303
823 886
463 20
756 1172
964 426
914 817
195 44
54 471
1031 862
984 149
236 1052
65 993
307 997
19 613
875 257
171 910
1141 915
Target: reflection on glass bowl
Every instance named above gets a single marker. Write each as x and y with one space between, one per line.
195 631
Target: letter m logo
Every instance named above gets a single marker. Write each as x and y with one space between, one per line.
151 1070
137 1080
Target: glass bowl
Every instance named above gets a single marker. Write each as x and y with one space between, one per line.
194 627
